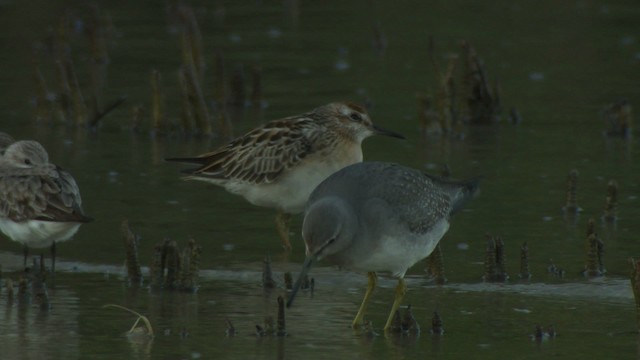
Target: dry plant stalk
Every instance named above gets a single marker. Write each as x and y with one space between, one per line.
148 329
635 286
190 266
186 117
288 281
525 272
435 266
611 202
267 274
192 53
281 325
490 259
494 261
131 242
197 103
436 324
571 206
483 102
591 226
157 104
42 102
619 118
593 262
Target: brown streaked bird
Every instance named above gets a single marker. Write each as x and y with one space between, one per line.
40 203
278 165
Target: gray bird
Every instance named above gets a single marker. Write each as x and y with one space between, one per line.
379 217
40 203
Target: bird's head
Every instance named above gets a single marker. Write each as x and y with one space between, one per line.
352 120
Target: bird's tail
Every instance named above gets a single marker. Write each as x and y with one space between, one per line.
461 191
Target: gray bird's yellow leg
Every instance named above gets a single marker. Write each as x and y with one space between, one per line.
401 290
282 224
373 279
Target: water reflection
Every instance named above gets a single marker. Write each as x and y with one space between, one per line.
28 332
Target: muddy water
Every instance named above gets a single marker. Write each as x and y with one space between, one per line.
558 64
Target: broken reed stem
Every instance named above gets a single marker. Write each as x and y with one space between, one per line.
79 106
483 102
288 281
131 242
591 226
281 325
409 322
43 104
267 274
157 104
495 262
190 266
436 324
611 202
592 263
186 117
490 259
172 263
173 269
198 105
157 267
571 206
192 54
635 286
501 262
64 92
435 266
525 272
619 117
100 59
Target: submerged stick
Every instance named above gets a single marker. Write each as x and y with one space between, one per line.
145 320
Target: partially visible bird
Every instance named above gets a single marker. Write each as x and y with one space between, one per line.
40 203
379 217
5 141
277 165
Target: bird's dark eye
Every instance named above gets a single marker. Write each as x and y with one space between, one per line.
27 161
355 117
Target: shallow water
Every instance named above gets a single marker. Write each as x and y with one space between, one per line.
559 64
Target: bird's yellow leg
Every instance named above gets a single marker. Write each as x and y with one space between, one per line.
373 279
282 224
401 290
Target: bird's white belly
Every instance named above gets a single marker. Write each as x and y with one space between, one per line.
290 192
36 233
396 255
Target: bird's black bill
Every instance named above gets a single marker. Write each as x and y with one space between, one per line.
380 131
303 273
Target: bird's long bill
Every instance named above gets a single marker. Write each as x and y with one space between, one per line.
381 131
303 273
